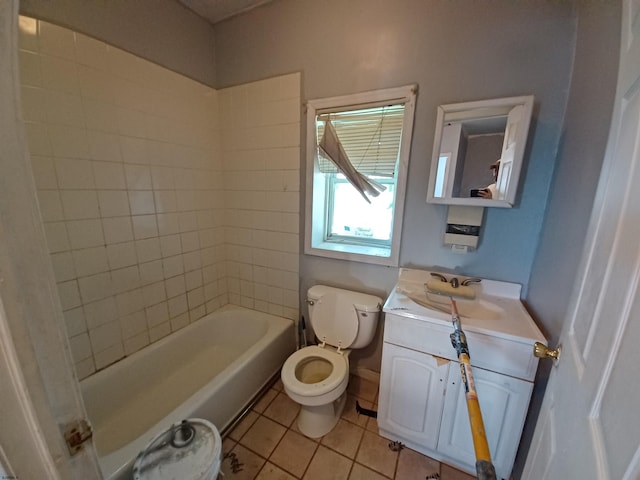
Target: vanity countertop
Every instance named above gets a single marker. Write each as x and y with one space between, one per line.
500 311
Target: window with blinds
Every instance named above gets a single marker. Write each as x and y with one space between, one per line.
370 137
357 162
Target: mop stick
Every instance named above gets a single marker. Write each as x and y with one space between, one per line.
484 467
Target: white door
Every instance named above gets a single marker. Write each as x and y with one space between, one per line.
39 395
509 145
589 426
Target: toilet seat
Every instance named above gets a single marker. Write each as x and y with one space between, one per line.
339 372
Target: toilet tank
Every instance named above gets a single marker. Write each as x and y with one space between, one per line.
355 309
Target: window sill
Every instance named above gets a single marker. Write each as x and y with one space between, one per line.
354 253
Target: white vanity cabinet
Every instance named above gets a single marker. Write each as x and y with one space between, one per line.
421 399
413 395
503 400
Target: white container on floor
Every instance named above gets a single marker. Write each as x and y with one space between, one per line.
188 450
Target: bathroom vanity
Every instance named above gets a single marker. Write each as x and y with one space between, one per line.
422 401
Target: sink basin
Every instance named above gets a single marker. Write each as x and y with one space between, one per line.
495 310
477 308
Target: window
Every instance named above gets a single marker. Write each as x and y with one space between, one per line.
357 160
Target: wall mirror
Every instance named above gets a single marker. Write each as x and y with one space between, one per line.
478 152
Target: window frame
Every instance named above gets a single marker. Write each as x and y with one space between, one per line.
316 187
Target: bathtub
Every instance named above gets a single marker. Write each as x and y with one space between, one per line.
211 369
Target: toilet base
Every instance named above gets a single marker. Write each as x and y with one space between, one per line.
316 421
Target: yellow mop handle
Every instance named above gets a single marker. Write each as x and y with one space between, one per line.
484 467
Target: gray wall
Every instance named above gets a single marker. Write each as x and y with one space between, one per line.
162 31
456 50
580 157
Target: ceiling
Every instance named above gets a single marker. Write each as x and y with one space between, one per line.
217 10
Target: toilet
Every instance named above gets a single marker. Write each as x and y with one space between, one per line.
316 377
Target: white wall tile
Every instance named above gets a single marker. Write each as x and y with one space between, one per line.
108 356
117 229
59 74
121 255
74 173
148 250
154 293
175 286
172 266
50 205
84 368
113 203
157 314
135 343
141 202
165 201
44 172
138 177
170 245
160 331
95 287
57 238
91 52
177 305
100 116
100 312
106 146
192 260
134 150
109 175
64 108
55 40
151 272
125 279
179 322
129 302
105 336
85 233
75 322
80 347
89 261
69 294
168 223
144 226
133 324
80 204
129 153
69 142
63 266
30 71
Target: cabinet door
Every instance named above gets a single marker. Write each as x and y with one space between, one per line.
411 394
503 400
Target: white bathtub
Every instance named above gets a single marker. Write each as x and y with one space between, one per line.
211 369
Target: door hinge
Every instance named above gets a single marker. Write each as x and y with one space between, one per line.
76 434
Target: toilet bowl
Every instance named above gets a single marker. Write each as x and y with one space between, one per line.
316 377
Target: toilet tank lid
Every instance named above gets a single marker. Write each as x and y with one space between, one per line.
362 301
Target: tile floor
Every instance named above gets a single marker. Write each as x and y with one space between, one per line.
269 446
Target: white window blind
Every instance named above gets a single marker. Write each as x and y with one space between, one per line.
370 137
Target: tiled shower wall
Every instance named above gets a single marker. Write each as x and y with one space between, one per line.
260 126
128 164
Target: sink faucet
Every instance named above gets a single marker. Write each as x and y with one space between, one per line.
467 281
440 276
455 283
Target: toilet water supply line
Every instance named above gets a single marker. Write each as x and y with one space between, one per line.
484 468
